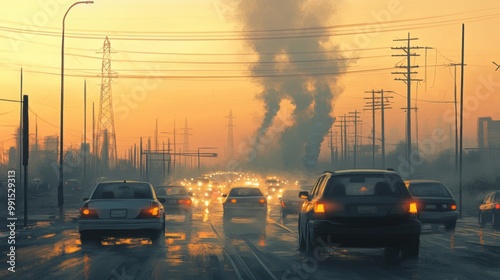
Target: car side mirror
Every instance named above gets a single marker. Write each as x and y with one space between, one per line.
85 198
304 195
224 195
161 199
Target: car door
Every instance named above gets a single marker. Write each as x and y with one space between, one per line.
306 206
486 206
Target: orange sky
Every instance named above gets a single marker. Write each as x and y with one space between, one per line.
30 37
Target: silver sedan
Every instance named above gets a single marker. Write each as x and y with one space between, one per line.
122 209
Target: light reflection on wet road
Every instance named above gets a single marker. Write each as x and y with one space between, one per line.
246 249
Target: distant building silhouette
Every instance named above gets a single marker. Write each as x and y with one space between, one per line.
488 133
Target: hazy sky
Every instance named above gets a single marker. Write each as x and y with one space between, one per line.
191 59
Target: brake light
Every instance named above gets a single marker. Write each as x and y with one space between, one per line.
283 204
453 207
152 212
233 200
413 208
497 206
185 201
262 201
86 213
319 208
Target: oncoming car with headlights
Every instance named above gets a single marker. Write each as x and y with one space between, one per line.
122 209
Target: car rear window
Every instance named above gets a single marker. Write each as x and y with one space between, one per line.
291 193
364 185
122 191
172 190
429 189
245 192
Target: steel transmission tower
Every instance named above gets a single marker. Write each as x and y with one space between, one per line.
106 137
230 138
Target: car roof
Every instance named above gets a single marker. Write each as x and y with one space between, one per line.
123 181
422 181
361 171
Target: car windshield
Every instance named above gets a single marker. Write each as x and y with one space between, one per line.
122 190
245 192
364 185
429 189
172 190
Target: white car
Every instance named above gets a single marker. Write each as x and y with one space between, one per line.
122 209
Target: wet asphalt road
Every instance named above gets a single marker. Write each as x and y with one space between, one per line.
243 249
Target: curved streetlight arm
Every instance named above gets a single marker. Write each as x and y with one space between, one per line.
60 193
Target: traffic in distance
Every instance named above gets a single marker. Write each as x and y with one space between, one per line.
235 225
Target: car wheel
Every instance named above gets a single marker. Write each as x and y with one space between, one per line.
495 221
89 239
158 236
449 226
312 247
392 254
411 249
481 219
302 242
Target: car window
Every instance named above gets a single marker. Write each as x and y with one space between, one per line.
291 193
487 199
317 186
122 191
497 197
171 190
245 192
429 189
363 185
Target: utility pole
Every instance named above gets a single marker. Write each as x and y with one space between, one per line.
343 138
355 117
372 106
379 104
407 79
461 117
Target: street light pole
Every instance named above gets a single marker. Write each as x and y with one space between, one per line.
199 161
60 193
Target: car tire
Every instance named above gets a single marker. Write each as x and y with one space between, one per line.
89 239
449 226
481 220
158 236
393 254
495 220
312 247
411 249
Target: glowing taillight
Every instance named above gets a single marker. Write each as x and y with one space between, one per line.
497 206
319 208
233 200
453 207
262 201
283 204
413 208
152 212
86 213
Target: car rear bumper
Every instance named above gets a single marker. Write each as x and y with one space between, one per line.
364 236
244 212
438 217
120 225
